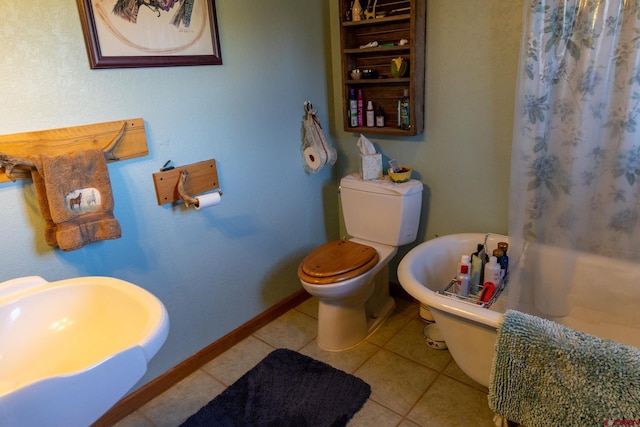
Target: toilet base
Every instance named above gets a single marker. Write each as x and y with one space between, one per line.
343 327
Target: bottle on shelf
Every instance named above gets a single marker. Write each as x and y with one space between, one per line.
360 108
353 108
404 117
370 115
380 117
356 11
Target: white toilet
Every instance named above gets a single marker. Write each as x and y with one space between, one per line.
351 277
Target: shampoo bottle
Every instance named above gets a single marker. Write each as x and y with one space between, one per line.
462 278
353 109
360 108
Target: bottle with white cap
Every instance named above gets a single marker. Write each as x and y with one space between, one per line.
370 115
463 278
493 272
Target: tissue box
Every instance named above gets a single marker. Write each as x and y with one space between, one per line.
371 166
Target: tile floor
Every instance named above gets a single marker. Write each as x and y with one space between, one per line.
412 384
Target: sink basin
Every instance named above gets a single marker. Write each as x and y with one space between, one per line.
70 349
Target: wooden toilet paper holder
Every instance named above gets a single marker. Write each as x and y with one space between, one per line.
182 182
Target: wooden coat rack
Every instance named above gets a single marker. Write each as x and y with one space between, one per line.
78 138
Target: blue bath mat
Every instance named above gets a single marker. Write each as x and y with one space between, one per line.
286 389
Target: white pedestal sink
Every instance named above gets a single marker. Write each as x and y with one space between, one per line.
70 349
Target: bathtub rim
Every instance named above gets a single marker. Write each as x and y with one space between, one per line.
430 298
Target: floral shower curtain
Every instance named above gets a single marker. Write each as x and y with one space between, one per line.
575 177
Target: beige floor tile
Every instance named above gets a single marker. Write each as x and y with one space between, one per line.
309 307
410 343
450 403
389 328
175 405
134 420
407 308
407 423
396 382
454 371
235 362
373 414
347 360
292 330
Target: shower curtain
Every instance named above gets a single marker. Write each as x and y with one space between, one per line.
575 171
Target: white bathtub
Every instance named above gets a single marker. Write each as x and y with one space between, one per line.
602 298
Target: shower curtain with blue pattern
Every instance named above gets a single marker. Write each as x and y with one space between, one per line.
575 171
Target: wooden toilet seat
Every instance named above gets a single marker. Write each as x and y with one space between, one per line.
337 261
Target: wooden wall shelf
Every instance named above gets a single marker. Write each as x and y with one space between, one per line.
72 139
385 91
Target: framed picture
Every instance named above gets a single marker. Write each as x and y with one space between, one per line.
150 33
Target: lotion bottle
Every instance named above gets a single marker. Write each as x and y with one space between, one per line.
370 115
462 278
492 272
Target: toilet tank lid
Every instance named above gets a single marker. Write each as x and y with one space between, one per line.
381 186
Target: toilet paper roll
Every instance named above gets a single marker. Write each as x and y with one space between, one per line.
314 158
206 200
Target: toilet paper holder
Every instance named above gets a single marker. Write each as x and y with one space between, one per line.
183 182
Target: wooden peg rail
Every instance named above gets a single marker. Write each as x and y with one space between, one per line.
73 139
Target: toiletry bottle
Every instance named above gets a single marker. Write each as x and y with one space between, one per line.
353 108
404 108
462 278
360 108
356 11
380 117
370 115
492 272
464 261
497 252
504 261
477 269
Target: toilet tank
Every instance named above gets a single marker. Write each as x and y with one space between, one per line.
380 210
